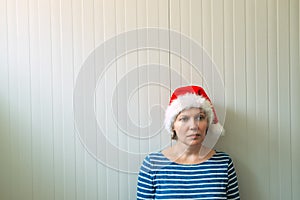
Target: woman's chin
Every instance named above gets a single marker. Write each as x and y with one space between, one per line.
195 142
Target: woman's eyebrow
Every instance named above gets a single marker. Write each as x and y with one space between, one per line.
184 115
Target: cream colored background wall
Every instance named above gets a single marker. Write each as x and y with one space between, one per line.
44 43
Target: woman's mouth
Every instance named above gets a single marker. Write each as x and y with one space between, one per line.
195 135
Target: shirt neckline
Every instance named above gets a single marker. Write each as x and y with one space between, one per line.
193 164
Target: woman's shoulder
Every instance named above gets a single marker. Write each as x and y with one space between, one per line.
156 158
155 155
221 156
221 153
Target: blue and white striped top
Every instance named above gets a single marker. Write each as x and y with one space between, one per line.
160 178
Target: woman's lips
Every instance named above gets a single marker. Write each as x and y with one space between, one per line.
195 135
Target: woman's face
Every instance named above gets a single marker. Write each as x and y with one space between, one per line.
190 126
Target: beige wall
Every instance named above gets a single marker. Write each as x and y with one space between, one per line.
44 45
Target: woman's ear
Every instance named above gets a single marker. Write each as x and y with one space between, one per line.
174 135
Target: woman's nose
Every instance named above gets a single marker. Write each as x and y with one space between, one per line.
193 124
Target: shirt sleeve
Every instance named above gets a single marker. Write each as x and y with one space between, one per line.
145 186
232 187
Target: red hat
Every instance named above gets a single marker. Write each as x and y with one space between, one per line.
190 97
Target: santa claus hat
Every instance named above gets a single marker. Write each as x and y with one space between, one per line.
191 97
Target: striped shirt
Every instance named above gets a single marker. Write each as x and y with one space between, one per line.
160 178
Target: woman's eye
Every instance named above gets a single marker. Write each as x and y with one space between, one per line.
184 119
200 117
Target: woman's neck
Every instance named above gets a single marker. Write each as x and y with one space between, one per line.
182 154
182 149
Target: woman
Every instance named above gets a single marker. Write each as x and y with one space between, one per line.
183 171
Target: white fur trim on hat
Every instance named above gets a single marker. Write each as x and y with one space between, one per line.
183 102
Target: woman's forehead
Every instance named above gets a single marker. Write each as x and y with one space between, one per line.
192 111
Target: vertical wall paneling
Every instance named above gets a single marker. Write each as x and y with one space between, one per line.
228 61
78 59
175 25
88 38
207 45
57 101
131 63
46 97
13 95
273 100
70 62
228 73
45 46
141 94
110 86
24 104
218 55
163 23
122 140
218 34
250 128
35 96
99 38
5 173
262 98
239 87
152 75
295 94
284 95
196 18
185 46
